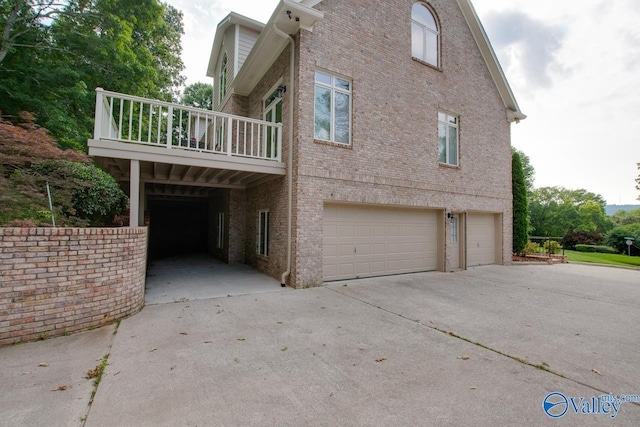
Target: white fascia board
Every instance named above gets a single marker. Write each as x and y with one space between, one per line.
477 30
231 19
269 45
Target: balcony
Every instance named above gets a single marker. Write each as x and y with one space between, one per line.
176 145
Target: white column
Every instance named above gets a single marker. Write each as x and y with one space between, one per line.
134 193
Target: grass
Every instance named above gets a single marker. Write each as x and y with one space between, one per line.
609 259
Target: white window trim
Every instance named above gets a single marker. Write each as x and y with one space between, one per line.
448 125
263 244
424 38
334 89
222 89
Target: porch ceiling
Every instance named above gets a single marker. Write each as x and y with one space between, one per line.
176 167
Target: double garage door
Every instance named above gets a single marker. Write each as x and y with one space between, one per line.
367 241
361 241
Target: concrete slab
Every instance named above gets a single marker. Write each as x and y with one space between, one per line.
577 320
31 376
344 355
194 277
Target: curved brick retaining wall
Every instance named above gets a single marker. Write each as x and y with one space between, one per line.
60 280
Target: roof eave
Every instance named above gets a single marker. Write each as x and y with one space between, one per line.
514 114
269 45
231 19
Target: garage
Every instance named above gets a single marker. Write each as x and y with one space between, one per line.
364 241
483 240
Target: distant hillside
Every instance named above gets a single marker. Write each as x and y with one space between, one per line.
611 209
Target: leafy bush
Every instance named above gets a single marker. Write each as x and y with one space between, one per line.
596 248
570 240
90 193
552 247
531 248
616 238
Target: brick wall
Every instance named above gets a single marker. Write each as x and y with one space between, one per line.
57 281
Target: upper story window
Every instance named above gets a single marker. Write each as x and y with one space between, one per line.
448 139
425 36
222 80
332 108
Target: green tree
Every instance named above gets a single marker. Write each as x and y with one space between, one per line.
623 217
53 66
527 169
520 206
556 211
199 95
616 238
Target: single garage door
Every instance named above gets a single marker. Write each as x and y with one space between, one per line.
481 239
372 241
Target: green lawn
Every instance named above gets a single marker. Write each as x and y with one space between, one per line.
611 259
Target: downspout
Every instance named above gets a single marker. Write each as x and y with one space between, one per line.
292 43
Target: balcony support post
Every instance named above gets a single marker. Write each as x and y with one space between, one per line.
134 193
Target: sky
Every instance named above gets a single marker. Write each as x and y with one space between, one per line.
573 65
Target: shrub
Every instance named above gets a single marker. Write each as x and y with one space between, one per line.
616 238
570 240
596 248
531 248
552 247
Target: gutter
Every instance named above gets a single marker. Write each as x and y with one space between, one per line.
292 43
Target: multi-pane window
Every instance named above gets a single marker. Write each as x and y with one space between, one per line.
332 108
448 139
263 233
220 230
222 80
454 229
425 36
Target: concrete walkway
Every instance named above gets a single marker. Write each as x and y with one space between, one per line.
479 347
195 277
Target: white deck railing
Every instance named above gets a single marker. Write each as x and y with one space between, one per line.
131 119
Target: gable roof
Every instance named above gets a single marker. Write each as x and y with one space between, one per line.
270 44
490 58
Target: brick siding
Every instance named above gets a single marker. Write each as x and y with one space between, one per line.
57 281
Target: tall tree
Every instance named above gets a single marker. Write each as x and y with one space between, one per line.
121 45
520 207
556 211
527 169
199 95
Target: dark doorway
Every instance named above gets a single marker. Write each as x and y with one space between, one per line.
177 227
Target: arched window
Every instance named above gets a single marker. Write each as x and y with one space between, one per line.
222 80
425 36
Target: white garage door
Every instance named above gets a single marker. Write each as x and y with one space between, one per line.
481 239
365 241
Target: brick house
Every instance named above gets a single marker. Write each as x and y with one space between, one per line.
347 141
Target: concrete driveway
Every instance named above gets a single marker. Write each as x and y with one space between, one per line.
479 347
